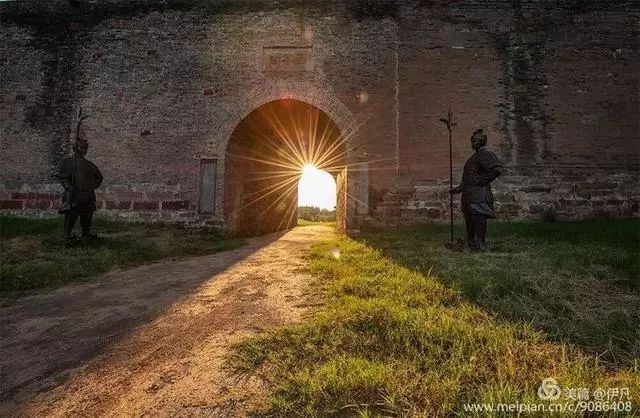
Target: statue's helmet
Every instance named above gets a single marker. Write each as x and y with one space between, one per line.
480 135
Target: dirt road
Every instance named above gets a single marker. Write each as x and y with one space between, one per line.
151 340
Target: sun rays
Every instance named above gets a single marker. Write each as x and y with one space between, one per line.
284 142
270 152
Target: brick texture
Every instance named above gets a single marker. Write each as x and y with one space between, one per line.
554 84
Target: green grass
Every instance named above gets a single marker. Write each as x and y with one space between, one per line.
28 262
306 222
577 281
410 328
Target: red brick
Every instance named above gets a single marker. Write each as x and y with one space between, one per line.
536 189
37 204
11 204
176 205
22 195
433 213
121 205
146 205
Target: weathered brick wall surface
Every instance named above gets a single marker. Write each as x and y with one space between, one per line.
555 86
544 196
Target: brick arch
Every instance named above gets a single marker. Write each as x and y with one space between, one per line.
320 98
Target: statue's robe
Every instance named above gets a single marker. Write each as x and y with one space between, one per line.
87 176
479 171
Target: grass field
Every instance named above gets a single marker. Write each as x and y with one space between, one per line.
27 261
411 328
305 222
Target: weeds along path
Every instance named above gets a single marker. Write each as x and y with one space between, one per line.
151 340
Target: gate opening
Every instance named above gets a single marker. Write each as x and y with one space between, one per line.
275 161
316 195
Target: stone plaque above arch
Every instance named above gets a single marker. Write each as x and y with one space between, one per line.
287 59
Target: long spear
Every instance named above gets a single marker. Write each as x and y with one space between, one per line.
75 147
450 124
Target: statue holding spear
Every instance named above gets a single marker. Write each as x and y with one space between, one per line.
79 178
477 199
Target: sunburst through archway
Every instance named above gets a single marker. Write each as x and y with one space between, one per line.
270 152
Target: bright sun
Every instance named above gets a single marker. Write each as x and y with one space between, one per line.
316 188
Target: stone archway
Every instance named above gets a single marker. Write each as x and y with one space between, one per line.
264 159
321 99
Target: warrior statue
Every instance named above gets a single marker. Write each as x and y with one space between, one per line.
79 177
477 200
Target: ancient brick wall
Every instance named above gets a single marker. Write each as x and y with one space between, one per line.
555 86
166 86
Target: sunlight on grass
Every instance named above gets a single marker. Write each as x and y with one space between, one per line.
394 340
577 281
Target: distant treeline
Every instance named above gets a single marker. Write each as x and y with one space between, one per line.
315 214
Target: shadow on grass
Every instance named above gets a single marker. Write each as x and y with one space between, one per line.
33 255
46 333
577 281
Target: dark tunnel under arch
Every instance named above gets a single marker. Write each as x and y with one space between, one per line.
263 162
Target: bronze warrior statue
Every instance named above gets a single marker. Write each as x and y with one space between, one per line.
79 177
477 200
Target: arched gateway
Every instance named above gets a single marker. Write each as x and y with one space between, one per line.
272 132
263 164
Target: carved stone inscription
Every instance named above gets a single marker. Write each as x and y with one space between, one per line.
287 59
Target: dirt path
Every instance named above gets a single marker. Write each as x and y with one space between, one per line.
151 340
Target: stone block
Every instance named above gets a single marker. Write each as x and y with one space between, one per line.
11 204
175 205
145 205
160 195
433 213
599 185
574 202
563 188
538 188
37 204
504 197
117 205
590 194
127 195
614 202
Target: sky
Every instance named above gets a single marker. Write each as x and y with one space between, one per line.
316 188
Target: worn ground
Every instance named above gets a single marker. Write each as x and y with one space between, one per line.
152 340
